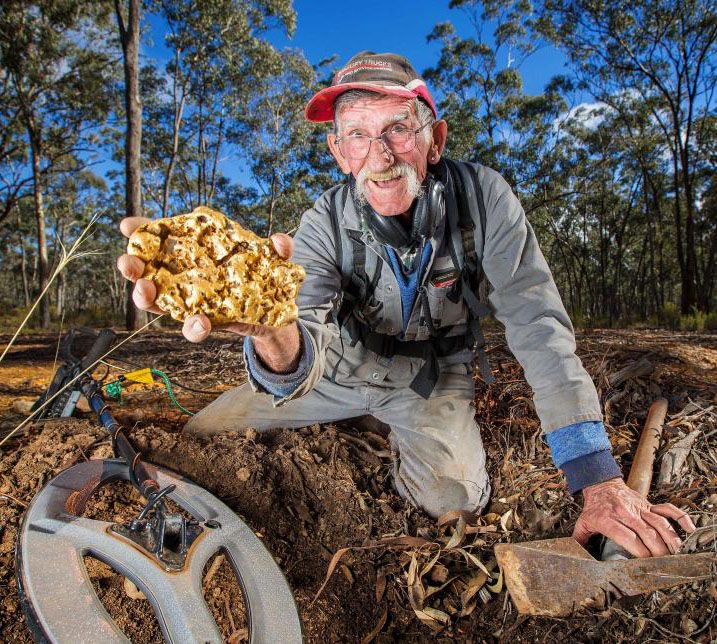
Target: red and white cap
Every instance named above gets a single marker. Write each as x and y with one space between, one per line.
382 73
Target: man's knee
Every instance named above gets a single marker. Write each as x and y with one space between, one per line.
236 409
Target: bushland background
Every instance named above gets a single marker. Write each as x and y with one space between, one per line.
614 158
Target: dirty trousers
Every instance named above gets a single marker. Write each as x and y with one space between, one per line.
441 460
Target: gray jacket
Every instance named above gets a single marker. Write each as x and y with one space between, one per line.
524 299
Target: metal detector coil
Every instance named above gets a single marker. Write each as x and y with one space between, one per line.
57 593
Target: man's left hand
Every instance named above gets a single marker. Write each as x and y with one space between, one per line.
630 520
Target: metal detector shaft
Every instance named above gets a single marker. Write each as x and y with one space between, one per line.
92 391
138 472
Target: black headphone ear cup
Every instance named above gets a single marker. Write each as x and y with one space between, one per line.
436 202
428 209
387 230
420 221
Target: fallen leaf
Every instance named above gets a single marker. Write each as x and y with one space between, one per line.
435 619
416 594
241 635
506 521
430 564
459 533
412 570
498 585
347 573
640 624
218 561
439 573
472 559
380 586
474 585
132 591
330 571
432 590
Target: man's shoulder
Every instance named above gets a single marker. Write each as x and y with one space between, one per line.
316 222
321 209
488 177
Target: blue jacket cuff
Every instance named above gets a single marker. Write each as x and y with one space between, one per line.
279 384
576 440
590 469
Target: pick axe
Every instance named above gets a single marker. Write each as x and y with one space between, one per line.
557 577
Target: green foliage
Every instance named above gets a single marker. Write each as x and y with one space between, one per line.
695 321
668 317
604 184
653 63
96 316
711 321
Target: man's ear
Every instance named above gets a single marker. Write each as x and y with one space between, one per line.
440 134
343 163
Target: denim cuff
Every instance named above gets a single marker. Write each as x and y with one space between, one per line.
590 469
279 384
576 440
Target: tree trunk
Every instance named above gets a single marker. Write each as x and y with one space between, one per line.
129 37
272 202
178 111
42 273
215 163
23 264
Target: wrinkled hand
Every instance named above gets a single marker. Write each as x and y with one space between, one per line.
197 327
621 514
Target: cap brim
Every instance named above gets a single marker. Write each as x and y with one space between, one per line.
321 106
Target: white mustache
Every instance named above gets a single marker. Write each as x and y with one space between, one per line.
398 169
391 173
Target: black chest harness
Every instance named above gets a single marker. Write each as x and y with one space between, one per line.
463 206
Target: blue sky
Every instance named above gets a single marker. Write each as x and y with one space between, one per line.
401 26
325 29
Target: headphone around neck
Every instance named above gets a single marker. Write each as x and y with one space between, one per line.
427 211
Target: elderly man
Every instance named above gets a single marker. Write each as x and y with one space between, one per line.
387 315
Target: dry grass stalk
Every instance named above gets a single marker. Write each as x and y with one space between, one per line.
65 258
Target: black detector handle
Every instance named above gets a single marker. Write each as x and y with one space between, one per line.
104 341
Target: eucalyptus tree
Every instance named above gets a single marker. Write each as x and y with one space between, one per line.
56 69
219 56
480 82
662 51
128 14
273 136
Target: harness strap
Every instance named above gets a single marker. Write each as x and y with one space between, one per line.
338 199
468 194
388 346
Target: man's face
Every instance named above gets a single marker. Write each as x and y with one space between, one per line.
372 117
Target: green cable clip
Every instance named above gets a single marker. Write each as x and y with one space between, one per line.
114 390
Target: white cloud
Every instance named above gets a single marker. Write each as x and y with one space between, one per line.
589 115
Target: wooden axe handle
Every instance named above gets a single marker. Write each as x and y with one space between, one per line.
640 477
641 471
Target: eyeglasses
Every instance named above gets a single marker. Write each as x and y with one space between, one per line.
397 140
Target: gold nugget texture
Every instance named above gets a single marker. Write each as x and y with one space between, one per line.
203 262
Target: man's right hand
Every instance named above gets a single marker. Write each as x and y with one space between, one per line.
197 327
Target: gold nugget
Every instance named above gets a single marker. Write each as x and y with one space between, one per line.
203 262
